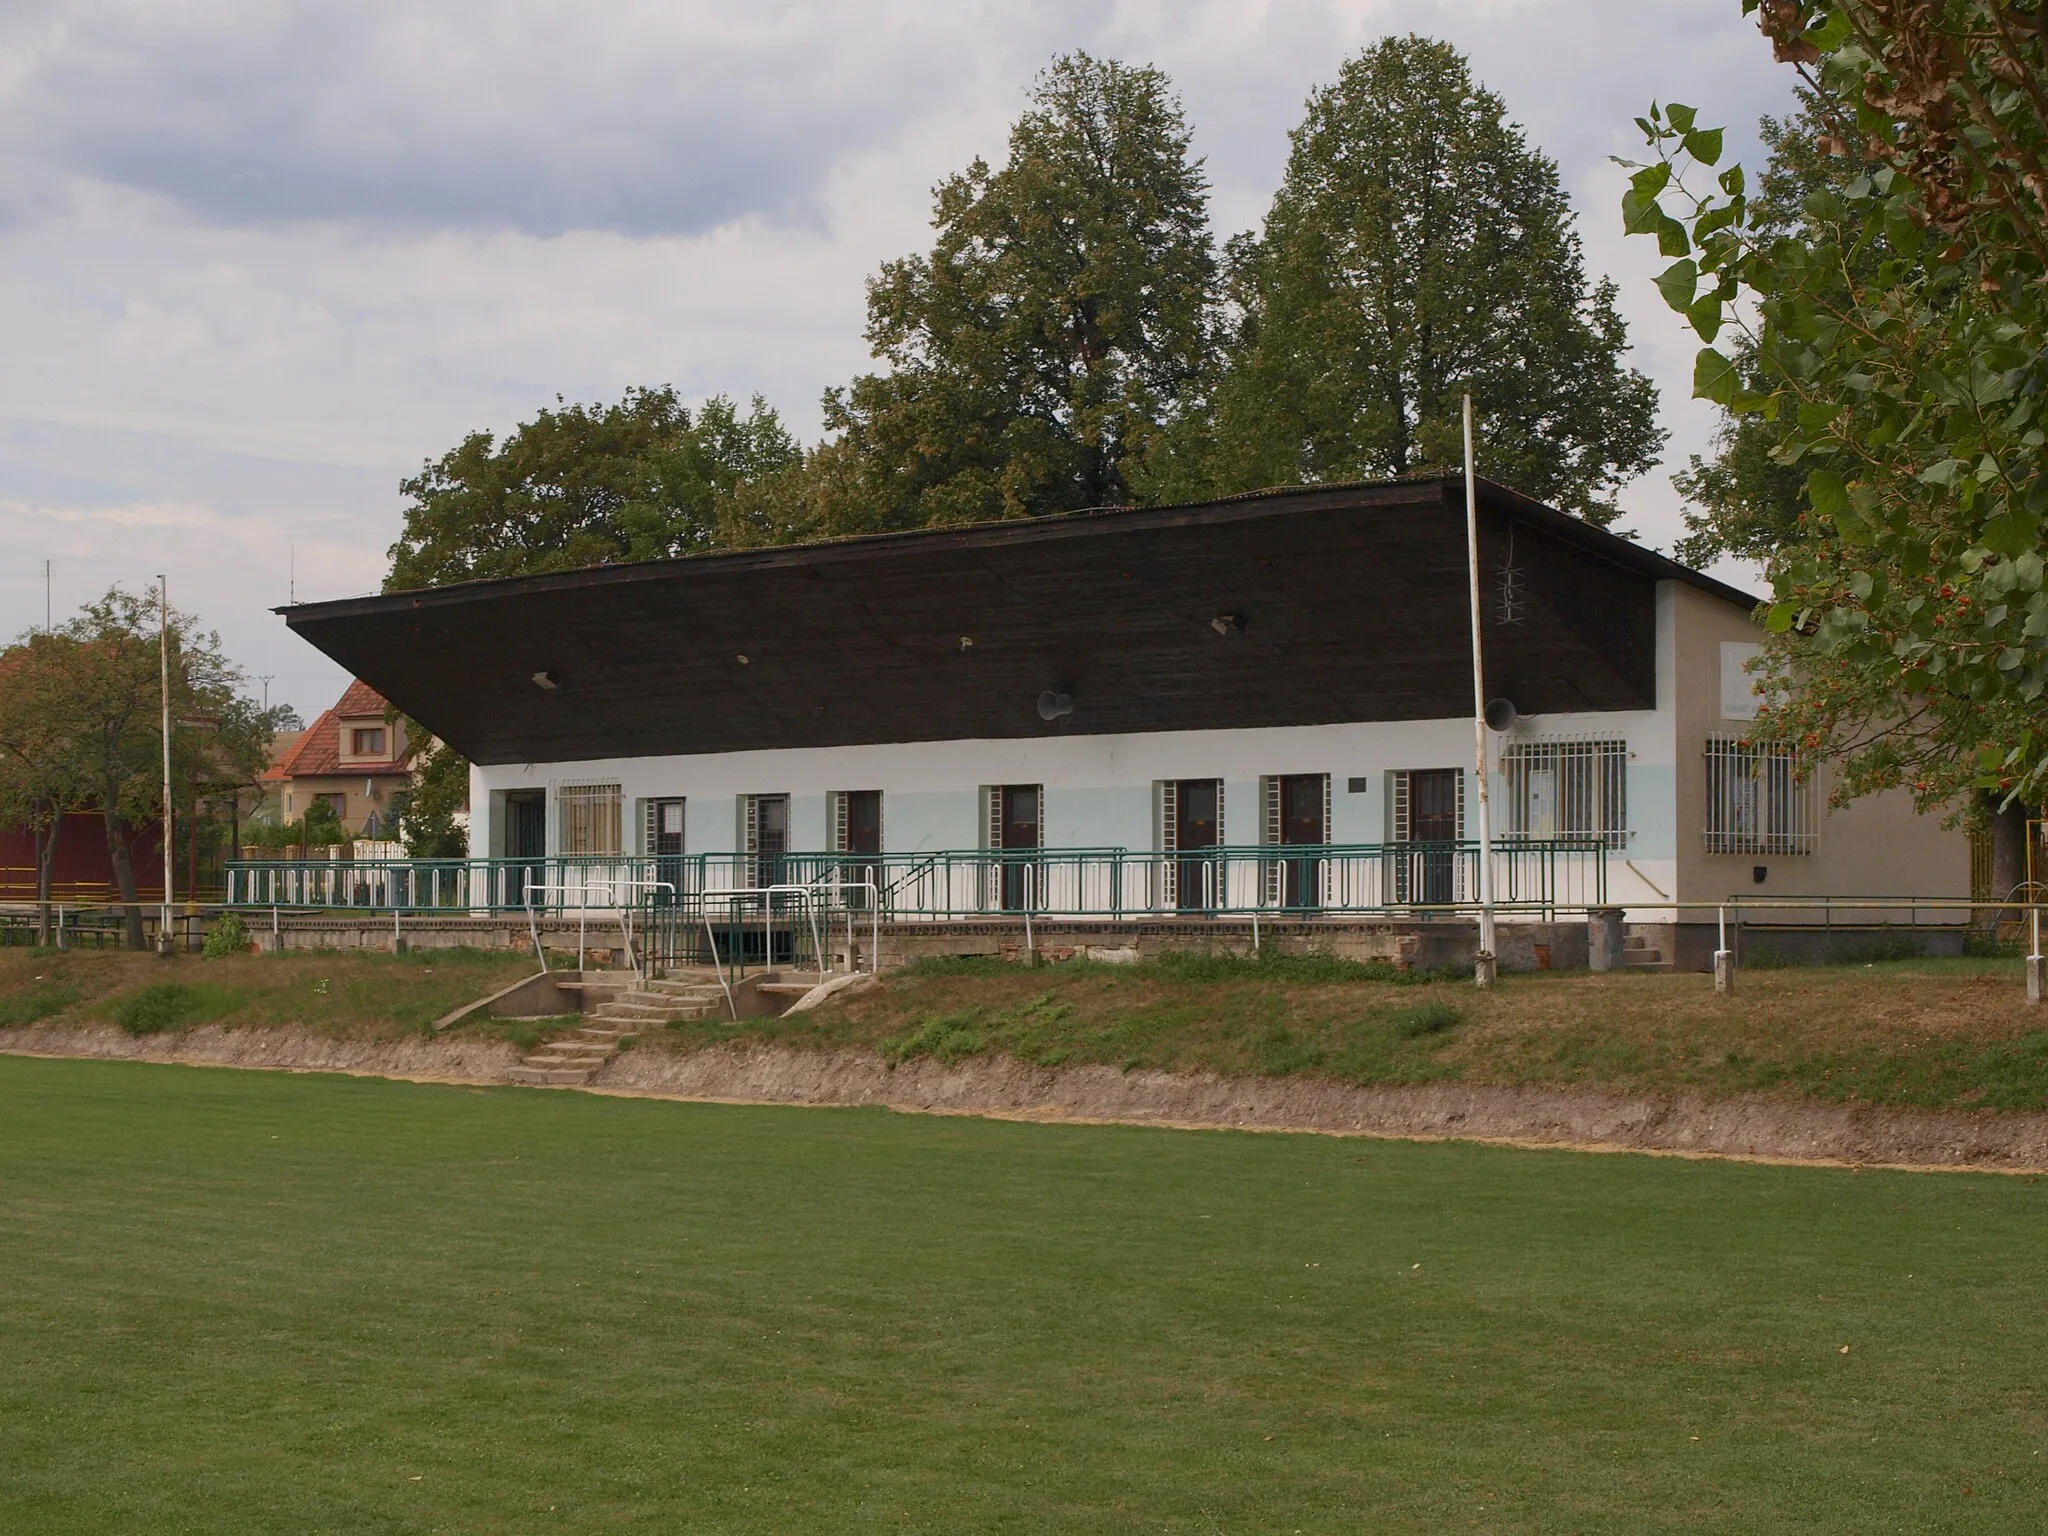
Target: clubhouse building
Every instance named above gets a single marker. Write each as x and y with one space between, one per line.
1256 705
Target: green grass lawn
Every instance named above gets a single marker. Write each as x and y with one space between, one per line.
251 1302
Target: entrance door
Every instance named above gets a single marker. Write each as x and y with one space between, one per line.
526 837
665 843
1197 824
863 834
768 831
1302 803
1018 828
1433 819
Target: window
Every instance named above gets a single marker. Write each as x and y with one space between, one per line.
1760 798
664 829
1015 822
856 819
1567 790
366 741
590 818
337 803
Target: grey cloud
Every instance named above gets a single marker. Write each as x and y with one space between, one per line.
540 119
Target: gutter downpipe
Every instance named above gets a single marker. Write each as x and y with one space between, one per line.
1483 965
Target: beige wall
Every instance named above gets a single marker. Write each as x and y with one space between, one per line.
1875 846
300 792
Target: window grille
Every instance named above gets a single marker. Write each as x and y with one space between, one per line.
590 818
1760 798
1567 789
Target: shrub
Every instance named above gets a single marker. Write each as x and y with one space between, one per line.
227 937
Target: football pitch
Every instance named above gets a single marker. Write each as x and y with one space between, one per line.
253 1302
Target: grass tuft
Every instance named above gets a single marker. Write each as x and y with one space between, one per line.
40 1000
1430 1018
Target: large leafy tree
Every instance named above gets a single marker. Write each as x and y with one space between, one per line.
1419 249
585 485
1897 349
95 686
1062 320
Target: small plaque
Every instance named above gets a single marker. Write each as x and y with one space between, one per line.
1354 786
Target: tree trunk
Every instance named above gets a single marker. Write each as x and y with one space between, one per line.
124 876
2008 850
46 863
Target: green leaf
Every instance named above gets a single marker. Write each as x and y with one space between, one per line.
1680 116
1714 377
1640 215
1704 145
1943 474
1672 239
1826 492
1779 620
1651 179
1706 317
2008 535
1731 181
1678 283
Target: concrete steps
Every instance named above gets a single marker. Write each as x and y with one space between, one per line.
1637 955
652 1003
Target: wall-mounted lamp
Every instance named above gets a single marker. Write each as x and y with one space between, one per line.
546 680
1051 705
966 642
1228 623
741 660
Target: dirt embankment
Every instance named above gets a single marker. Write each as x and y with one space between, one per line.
1524 1114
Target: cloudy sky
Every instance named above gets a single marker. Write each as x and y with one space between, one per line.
260 260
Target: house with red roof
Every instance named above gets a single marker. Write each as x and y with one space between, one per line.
353 757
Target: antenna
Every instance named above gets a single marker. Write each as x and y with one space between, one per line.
46 597
292 589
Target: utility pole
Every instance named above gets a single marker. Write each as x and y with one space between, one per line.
46 598
1483 970
163 642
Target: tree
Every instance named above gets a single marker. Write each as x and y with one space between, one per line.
1063 319
1418 249
36 771
1743 500
426 811
97 686
1900 346
584 485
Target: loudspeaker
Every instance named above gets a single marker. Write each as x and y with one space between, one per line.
1501 714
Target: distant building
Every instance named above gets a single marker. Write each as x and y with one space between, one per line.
352 757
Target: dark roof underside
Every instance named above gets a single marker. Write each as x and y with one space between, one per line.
1352 601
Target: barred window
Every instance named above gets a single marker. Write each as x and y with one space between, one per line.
1567 789
590 818
1760 798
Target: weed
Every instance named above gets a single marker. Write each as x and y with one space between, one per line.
38 1002
1429 1018
1883 949
948 1038
171 1005
1765 957
1206 965
227 937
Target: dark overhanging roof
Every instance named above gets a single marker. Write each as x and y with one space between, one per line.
1350 600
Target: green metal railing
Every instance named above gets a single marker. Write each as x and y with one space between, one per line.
953 884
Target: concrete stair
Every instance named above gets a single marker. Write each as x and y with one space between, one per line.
649 1004
1637 955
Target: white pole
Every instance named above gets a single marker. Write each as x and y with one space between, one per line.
163 646
1483 972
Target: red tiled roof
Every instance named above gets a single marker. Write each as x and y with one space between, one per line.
317 754
360 699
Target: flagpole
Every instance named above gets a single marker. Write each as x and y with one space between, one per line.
1483 967
163 647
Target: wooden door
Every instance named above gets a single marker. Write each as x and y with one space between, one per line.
863 834
526 837
1303 798
1433 818
1197 825
665 843
1018 828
